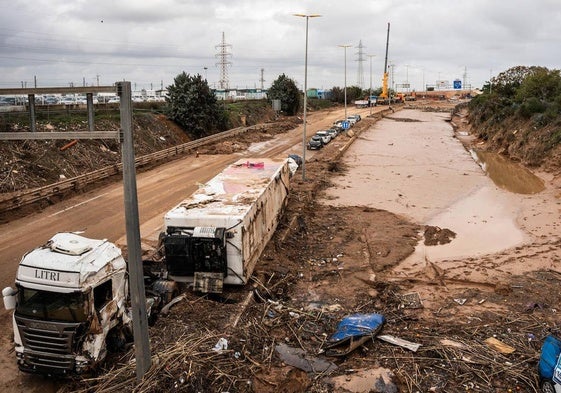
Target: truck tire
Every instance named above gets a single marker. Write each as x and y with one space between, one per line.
116 340
547 387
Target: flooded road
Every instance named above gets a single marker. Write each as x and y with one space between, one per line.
413 165
506 174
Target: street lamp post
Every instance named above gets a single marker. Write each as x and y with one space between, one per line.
345 47
307 16
370 90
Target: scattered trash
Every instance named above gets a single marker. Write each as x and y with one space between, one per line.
319 306
499 346
451 343
532 306
221 345
378 380
174 301
461 301
411 300
352 332
414 347
296 357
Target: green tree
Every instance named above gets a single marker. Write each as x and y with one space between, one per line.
193 105
354 93
543 84
337 94
285 90
507 82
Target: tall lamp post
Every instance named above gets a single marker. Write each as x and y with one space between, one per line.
307 16
370 91
345 47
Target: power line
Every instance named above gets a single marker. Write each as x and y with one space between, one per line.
223 56
360 59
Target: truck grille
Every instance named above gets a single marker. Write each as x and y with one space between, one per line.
47 344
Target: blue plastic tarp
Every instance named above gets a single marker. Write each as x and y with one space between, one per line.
357 325
551 349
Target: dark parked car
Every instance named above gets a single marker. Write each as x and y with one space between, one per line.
315 143
297 159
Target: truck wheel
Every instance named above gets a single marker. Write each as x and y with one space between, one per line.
116 340
547 387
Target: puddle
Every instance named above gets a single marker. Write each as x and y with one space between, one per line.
506 174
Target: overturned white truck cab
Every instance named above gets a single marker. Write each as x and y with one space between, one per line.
69 302
216 236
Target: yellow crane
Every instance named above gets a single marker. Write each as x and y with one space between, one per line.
383 98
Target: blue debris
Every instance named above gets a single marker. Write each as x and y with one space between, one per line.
358 325
551 349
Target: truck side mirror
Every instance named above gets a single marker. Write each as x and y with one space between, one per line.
9 295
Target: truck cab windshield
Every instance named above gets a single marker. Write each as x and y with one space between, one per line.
51 306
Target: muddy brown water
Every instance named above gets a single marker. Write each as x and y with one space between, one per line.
422 171
507 174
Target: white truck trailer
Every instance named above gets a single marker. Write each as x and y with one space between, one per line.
216 236
71 305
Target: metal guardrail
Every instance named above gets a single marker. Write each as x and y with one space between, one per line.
28 197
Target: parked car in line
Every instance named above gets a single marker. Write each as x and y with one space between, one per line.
333 132
338 123
50 101
325 137
68 100
315 143
352 120
357 117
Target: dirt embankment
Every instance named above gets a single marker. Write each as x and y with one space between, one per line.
30 164
526 141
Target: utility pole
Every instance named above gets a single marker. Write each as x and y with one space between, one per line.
262 80
345 47
360 59
224 62
307 16
370 89
136 276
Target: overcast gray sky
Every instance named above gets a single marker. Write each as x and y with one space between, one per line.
149 42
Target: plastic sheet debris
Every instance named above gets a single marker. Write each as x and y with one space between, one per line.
297 357
549 367
221 345
352 332
259 165
414 347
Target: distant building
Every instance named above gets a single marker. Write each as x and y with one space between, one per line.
240 94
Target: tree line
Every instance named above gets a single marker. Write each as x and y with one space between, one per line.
192 104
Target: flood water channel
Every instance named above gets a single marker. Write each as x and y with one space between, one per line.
420 170
507 174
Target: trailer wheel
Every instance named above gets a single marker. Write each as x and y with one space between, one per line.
547 387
